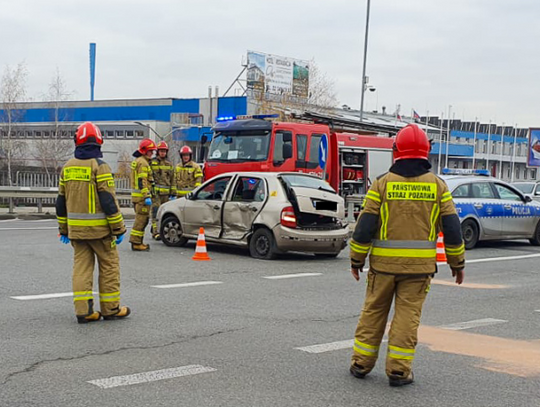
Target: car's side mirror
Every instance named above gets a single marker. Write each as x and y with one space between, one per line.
528 198
190 196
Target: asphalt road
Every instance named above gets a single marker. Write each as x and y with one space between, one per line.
234 342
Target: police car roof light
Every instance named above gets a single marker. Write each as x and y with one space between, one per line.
225 118
463 171
247 116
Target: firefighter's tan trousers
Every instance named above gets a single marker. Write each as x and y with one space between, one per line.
409 293
156 203
142 215
85 253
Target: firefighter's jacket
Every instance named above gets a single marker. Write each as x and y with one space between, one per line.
141 180
401 219
86 207
187 177
163 174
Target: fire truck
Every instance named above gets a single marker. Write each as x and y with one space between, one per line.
252 143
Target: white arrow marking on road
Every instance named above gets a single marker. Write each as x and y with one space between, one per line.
292 276
473 324
196 284
153 376
42 296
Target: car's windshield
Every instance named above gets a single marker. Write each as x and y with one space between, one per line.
525 188
307 182
239 146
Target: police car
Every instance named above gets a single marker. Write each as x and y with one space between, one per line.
491 209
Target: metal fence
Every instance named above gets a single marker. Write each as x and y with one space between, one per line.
44 180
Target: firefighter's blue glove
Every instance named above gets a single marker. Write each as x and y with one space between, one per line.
148 201
119 239
172 197
64 239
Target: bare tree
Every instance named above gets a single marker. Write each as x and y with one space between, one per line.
12 92
54 150
322 89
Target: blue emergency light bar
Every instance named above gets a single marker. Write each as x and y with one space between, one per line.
243 117
463 171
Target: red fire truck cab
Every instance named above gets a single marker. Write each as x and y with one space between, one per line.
254 144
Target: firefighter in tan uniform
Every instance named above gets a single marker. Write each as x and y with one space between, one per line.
141 193
403 213
89 216
163 173
188 174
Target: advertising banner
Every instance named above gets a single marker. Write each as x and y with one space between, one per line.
276 75
533 152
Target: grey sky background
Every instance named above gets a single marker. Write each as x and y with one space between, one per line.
480 56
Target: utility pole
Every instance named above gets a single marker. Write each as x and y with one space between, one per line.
365 63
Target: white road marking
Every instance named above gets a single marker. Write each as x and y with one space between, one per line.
490 259
538 310
8 220
473 324
153 376
292 276
39 228
331 346
196 284
42 296
328 347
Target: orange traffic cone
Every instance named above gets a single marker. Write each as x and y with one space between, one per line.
441 254
200 249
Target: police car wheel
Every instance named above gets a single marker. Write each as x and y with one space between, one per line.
470 232
535 241
171 232
262 245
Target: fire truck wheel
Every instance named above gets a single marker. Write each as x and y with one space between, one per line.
263 245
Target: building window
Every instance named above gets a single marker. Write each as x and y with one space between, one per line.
109 134
533 173
37 134
139 134
27 134
119 134
493 147
485 147
130 134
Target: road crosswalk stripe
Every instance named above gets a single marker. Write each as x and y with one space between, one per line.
42 296
152 376
195 284
284 276
473 324
327 347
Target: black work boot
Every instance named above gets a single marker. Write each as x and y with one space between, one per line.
398 379
120 313
358 371
92 315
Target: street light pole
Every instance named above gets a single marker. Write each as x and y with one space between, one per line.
150 128
365 62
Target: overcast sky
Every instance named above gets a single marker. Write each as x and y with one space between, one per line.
480 56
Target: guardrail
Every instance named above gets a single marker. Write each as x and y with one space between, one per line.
44 193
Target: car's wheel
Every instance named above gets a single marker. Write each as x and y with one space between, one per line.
535 241
171 232
327 255
263 245
470 232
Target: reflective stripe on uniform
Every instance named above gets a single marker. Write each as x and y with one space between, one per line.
104 177
83 295
355 247
109 297
455 252
405 244
410 253
384 220
365 349
447 196
115 219
97 222
433 221
375 196
137 233
396 352
91 199
61 219
73 215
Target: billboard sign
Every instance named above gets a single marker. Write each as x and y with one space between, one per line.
533 150
276 75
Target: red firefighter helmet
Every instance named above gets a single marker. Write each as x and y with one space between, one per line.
162 146
186 150
88 133
147 145
411 142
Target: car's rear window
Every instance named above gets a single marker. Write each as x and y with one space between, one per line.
307 182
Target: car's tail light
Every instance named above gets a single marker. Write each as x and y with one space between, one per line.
288 217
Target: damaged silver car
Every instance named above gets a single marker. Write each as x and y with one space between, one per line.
270 213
